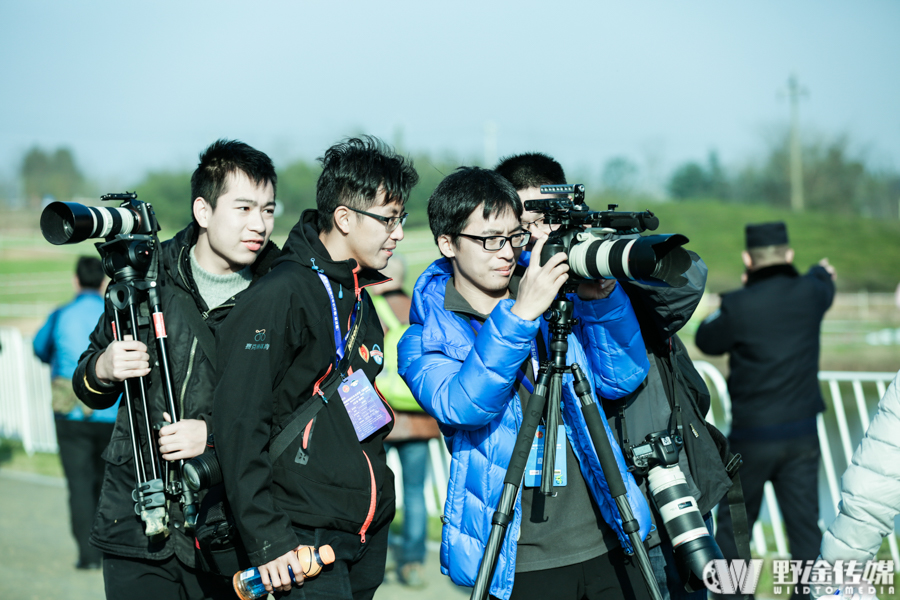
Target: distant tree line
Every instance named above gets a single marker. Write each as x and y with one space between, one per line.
835 179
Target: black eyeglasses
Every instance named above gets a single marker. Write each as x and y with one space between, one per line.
492 243
390 223
542 220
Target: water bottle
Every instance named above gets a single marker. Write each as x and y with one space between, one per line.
248 583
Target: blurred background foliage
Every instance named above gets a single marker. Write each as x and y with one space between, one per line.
852 213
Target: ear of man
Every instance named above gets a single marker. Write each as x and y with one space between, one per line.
342 216
202 211
445 245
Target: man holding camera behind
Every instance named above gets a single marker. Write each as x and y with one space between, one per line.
468 359
672 381
299 353
203 269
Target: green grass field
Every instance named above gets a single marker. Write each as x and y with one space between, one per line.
35 276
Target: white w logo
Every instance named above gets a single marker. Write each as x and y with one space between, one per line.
738 577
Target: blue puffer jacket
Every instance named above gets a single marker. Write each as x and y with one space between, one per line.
468 385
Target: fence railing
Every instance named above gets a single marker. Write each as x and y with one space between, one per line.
26 415
25 410
838 427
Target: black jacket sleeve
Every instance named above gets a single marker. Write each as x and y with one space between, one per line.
88 388
824 283
716 333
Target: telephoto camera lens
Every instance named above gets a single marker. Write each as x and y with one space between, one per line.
694 546
653 259
202 472
70 222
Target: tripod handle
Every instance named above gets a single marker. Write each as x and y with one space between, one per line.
594 422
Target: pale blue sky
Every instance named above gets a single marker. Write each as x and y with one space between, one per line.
133 86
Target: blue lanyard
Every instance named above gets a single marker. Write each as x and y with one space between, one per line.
339 341
535 362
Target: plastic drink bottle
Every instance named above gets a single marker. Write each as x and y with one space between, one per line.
248 583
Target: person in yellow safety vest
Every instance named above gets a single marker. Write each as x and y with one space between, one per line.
412 427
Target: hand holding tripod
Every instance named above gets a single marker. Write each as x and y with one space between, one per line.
545 402
131 262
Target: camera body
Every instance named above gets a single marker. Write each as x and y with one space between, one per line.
594 241
657 459
659 449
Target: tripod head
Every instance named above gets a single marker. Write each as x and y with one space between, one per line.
561 319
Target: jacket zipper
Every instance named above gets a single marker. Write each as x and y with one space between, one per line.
307 431
372 501
385 402
187 376
317 390
373 496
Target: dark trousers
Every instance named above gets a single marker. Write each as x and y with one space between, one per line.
357 571
141 579
793 468
612 576
80 445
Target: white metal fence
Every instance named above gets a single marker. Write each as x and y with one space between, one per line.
25 411
842 426
26 415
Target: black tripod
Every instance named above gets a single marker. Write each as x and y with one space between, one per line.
131 262
545 402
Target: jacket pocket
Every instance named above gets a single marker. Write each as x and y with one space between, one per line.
327 471
119 451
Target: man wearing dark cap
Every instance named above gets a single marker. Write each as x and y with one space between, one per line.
770 329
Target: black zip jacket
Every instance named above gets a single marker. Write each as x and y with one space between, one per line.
275 349
117 529
771 329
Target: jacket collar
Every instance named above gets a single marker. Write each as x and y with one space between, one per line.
785 270
303 246
176 260
442 330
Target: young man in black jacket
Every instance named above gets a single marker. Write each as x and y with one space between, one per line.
299 353
204 268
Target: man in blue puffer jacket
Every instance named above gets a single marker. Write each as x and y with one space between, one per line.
468 359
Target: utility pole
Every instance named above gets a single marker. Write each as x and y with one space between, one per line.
795 91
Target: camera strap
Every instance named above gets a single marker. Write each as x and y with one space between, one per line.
735 495
676 423
197 325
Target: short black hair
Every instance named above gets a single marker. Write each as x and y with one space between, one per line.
352 172
224 157
532 169
89 271
462 192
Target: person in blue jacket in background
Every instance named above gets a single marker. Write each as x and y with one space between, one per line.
81 433
469 359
